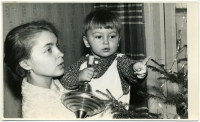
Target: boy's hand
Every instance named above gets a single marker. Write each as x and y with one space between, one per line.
140 68
86 74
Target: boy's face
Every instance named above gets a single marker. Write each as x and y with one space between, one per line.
102 42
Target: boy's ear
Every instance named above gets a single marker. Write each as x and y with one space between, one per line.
86 42
119 41
25 65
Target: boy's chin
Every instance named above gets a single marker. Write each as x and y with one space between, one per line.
107 54
60 73
104 56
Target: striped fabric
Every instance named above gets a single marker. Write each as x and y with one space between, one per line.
129 13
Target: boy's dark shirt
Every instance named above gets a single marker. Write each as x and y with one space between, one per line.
124 66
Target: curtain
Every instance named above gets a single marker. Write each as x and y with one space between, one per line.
132 38
160 31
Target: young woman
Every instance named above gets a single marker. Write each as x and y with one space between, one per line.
32 55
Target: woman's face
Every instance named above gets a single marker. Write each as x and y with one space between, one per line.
46 59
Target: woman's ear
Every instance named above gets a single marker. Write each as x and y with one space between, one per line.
25 65
86 42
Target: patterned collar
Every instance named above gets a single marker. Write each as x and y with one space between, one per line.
102 64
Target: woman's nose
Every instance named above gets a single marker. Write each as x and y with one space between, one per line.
60 54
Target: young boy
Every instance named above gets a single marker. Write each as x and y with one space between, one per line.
111 70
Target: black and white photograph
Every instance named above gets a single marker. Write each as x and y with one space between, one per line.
99 61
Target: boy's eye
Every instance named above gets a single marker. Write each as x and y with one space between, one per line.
112 37
98 37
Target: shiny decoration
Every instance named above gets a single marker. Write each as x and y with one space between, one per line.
82 102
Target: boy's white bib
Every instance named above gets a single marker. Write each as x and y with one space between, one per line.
109 80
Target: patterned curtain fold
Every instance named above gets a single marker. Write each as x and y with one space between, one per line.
129 13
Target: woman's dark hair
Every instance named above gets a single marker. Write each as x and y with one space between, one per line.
101 18
19 42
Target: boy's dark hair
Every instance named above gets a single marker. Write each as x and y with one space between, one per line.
101 18
19 42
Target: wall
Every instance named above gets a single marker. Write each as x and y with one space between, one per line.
181 32
67 18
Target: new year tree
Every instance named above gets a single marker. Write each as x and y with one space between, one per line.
179 77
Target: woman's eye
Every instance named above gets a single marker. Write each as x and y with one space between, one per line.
49 50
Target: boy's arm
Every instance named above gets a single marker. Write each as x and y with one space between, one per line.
125 68
70 79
